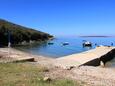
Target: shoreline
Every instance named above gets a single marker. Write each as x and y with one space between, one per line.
16 54
93 76
81 58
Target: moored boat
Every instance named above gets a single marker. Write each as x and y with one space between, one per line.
50 43
87 44
65 43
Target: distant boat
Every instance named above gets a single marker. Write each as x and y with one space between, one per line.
87 44
65 43
50 43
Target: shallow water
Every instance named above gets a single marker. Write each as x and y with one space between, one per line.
58 50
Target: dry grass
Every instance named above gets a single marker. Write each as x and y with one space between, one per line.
26 74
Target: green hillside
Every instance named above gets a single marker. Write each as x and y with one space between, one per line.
19 34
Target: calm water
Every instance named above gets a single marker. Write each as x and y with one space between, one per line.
58 50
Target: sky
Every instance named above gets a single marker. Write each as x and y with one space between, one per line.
62 17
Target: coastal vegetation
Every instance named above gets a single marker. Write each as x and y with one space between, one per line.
27 74
18 34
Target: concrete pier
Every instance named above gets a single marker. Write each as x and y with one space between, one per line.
87 57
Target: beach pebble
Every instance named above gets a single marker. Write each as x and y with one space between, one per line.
39 79
46 70
68 67
46 79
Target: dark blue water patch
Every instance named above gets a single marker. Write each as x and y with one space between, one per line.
57 49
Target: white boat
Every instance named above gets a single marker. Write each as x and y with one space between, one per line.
65 43
87 44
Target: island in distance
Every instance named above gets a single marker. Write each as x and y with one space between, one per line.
96 36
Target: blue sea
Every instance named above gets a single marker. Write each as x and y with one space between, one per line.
57 49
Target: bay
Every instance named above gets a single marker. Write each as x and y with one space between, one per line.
57 49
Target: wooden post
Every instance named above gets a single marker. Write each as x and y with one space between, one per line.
9 44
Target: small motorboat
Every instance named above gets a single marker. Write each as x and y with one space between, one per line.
50 43
65 43
87 44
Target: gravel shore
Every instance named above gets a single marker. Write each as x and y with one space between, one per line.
91 76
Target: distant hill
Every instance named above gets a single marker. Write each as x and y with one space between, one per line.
19 34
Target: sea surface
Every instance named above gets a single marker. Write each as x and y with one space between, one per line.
57 49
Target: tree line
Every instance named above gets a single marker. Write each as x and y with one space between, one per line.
18 33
